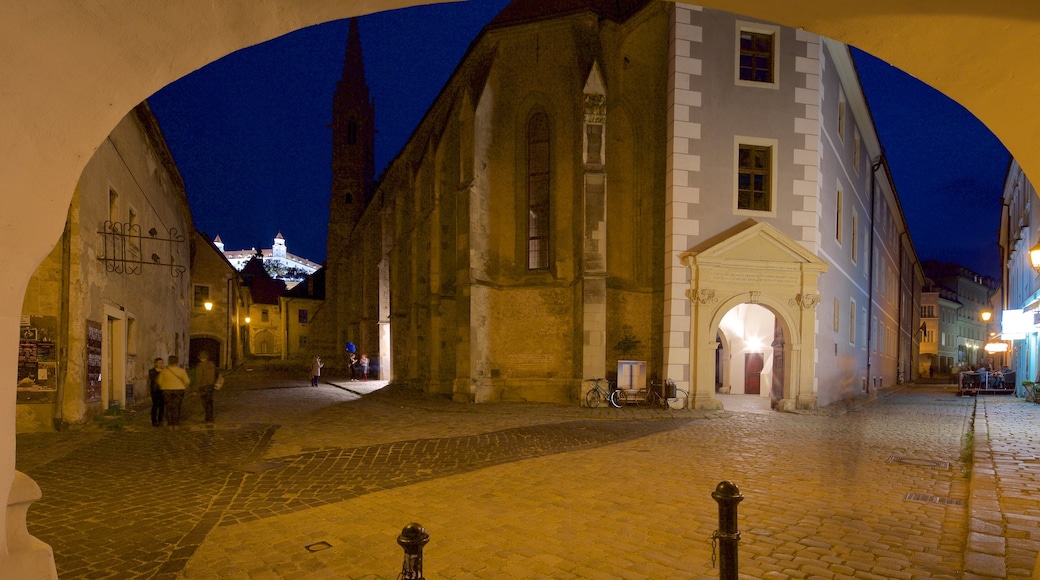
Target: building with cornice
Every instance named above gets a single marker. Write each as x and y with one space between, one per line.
609 181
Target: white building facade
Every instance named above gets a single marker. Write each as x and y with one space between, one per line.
278 262
1020 232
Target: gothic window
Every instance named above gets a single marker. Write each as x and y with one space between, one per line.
538 192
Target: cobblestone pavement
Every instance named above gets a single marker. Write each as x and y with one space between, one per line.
301 482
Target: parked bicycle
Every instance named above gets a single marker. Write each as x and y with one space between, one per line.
602 392
664 394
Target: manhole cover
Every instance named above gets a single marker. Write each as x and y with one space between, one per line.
919 462
318 546
259 466
924 497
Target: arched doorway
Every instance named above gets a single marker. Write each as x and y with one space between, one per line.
770 282
747 361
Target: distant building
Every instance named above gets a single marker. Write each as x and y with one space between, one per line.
939 308
962 309
220 302
299 306
263 334
279 263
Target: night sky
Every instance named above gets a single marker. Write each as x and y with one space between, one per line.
250 134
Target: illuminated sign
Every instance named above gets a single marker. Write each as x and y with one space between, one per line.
1015 324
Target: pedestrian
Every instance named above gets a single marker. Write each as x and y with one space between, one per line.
316 365
157 394
352 362
173 380
364 366
206 379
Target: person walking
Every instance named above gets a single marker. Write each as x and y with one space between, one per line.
352 362
156 392
173 380
206 378
316 365
363 362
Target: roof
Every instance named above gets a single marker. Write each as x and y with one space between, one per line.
520 11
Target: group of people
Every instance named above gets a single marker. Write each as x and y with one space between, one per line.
168 383
358 367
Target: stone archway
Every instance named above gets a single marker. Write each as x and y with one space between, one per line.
80 68
756 264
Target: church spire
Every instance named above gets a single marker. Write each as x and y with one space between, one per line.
353 139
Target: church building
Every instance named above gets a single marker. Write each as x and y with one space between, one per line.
633 180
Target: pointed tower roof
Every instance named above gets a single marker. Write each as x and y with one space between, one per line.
353 63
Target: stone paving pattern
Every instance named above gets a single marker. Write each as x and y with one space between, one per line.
300 482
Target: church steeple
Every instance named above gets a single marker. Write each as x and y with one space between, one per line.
353 142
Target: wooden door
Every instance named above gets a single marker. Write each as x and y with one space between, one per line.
753 364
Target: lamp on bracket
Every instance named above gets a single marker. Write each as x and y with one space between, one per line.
1034 257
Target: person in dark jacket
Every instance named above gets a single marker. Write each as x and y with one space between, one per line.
206 379
158 405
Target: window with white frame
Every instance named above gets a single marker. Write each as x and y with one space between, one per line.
757 63
755 171
838 211
841 114
852 322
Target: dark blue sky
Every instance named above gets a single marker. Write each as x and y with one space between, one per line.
250 133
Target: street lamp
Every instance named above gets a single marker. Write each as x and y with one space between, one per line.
1034 257
247 320
986 315
207 305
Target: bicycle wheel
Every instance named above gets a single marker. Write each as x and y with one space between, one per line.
679 402
593 398
644 397
618 399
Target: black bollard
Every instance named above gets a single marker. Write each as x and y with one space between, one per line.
413 537
727 496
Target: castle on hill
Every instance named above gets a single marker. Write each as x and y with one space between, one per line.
278 262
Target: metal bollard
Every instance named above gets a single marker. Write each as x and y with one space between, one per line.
727 496
413 537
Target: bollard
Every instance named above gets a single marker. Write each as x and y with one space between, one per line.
727 496
413 537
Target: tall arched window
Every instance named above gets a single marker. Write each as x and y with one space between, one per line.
538 192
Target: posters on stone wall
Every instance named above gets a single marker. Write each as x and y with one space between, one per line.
93 379
37 361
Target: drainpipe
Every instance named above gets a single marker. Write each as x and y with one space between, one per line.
874 166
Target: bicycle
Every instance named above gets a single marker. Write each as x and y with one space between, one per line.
598 394
665 395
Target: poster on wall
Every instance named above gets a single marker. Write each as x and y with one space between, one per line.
93 382
37 366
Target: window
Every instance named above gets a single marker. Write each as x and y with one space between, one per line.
857 148
837 315
855 236
352 132
852 322
303 340
538 192
756 56
264 317
303 316
754 178
837 214
201 296
841 114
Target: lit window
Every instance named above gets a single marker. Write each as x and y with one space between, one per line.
538 192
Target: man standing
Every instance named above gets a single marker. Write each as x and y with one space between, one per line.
173 380
206 378
156 392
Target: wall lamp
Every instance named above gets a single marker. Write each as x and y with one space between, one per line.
207 305
1034 257
247 320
